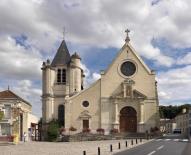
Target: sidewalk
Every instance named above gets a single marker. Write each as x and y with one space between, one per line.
68 148
6 143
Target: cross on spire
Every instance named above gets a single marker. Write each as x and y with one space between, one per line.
64 32
127 39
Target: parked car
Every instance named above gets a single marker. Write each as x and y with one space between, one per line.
177 131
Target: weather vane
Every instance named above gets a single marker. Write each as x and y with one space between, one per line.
127 39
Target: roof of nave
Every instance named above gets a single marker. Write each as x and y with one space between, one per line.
7 94
62 56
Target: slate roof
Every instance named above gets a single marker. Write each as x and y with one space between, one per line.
62 56
7 94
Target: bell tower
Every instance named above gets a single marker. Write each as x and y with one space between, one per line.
61 78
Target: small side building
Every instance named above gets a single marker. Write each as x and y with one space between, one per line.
17 116
167 125
189 124
182 120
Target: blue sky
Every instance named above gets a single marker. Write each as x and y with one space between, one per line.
160 33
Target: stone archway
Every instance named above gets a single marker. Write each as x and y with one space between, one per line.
128 119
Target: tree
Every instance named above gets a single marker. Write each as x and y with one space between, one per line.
172 111
1 115
52 132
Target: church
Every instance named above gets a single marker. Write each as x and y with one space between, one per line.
124 98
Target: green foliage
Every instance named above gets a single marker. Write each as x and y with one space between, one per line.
171 111
1 115
53 130
40 121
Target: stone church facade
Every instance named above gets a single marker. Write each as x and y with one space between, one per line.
124 98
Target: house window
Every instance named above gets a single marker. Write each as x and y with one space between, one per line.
85 124
61 76
5 129
7 114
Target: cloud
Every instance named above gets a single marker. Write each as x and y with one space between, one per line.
89 76
174 85
96 76
30 92
103 25
185 60
17 62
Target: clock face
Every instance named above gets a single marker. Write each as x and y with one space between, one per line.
128 68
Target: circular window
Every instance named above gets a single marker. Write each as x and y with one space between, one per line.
128 68
85 103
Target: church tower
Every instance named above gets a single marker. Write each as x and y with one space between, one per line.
61 78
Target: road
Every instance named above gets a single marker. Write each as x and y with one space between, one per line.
163 146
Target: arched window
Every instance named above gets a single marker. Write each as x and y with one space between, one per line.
61 115
61 76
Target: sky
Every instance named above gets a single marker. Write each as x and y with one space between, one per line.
31 32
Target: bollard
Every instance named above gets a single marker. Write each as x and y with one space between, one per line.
84 152
126 143
111 148
132 142
98 151
141 140
119 145
136 141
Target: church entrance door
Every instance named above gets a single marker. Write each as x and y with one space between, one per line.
85 124
128 120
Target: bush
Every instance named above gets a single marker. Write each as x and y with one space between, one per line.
151 130
86 130
100 131
155 129
52 131
72 128
1 115
113 131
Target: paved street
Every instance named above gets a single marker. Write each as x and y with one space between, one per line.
160 147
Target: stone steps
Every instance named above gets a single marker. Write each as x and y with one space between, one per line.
97 137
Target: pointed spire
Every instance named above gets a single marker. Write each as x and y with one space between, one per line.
62 56
75 55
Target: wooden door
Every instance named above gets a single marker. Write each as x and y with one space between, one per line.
128 120
85 124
